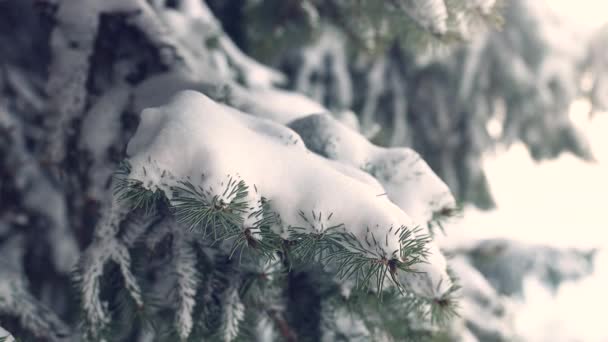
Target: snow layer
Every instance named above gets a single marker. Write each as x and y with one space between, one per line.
409 181
194 138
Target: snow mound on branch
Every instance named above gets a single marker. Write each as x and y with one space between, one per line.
196 139
408 179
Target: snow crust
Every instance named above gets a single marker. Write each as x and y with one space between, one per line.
409 181
196 139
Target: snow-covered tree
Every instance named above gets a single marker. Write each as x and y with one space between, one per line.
519 80
158 183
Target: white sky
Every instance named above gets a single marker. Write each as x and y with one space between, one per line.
560 202
590 13
563 202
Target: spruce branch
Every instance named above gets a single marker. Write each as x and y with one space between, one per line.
226 214
365 262
199 208
394 316
234 311
444 309
259 236
17 301
125 312
132 192
187 284
222 215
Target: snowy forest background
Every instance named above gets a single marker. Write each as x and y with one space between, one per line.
386 114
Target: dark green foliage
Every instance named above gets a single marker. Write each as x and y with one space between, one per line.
359 261
203 209
364 262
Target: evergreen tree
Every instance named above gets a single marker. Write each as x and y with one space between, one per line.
159 184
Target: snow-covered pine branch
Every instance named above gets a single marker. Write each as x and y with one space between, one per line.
16 300
233 316
218 191
157 168
187 282
75 75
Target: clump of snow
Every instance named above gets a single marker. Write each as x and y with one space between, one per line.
196 139
409 181
215 141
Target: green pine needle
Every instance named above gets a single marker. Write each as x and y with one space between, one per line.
199 208
363 262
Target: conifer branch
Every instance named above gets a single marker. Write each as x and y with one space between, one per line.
187 284
233 315
202 209
362 262
225 214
